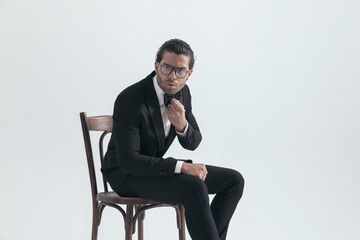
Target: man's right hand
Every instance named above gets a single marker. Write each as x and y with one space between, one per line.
194 169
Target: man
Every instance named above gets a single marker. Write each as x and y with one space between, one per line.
147 117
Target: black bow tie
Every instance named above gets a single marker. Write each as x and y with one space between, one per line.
167 98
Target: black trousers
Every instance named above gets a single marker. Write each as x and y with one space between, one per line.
204 221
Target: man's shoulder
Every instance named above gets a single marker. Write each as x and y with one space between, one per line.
186 91
137 89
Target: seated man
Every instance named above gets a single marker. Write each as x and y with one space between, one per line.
148 115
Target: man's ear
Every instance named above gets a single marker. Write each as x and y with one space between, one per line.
156 66
189 74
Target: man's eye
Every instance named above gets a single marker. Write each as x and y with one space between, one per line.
181 70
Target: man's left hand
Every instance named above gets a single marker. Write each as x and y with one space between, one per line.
176 114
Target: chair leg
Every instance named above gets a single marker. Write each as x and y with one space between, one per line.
182 224
129 222
94 232
95 226
141 224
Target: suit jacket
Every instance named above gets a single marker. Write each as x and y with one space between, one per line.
138 142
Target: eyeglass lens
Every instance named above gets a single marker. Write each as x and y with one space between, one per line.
166 69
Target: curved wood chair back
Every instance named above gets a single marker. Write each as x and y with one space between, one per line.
109 198
96 123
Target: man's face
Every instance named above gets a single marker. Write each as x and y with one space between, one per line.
171 83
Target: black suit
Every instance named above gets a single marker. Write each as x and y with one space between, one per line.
134 165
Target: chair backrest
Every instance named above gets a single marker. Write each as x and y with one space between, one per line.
95 123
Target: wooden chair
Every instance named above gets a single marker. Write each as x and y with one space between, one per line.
135 207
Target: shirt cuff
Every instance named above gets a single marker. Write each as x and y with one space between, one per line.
178 166
182 134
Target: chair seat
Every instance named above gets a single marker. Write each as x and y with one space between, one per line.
113 197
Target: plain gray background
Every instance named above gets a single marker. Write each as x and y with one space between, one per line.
275 91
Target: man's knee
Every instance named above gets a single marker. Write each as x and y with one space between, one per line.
198 185
238 181
239 178
197 189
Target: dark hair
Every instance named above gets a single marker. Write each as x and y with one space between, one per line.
176 46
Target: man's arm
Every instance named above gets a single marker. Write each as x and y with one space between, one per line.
182 119
126 132
185 121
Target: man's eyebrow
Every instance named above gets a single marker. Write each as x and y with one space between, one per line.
173 66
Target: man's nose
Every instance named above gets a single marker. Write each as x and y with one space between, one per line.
172 75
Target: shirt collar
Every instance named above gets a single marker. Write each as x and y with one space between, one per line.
159 92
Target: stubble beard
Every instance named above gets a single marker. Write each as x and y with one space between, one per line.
167 91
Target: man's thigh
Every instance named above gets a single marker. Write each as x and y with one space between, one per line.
175 189
172 190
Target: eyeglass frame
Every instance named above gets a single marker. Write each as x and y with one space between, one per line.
173 69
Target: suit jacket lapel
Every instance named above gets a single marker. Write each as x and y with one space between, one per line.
172 133
155 113
169 139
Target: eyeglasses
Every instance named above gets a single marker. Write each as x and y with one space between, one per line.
179 72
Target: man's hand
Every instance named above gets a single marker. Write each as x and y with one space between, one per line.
194 169
176 114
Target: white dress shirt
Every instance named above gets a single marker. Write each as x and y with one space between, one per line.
166 122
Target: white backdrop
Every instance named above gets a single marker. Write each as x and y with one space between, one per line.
276 92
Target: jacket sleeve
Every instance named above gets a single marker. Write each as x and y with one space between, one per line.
192 138
126 133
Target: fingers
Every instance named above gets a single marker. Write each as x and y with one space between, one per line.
172 113
175 104
168 110
206 172
195 169
203 172
175 110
